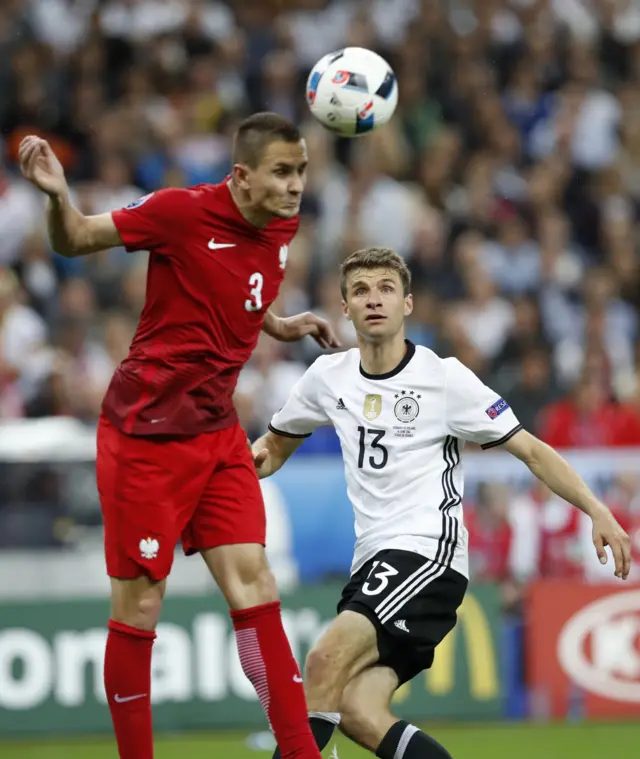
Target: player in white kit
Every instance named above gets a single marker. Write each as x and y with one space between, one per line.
402 414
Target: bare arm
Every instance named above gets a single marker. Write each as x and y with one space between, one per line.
549 466
71 233
271 451
272 324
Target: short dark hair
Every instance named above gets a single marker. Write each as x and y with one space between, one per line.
375 258
256 132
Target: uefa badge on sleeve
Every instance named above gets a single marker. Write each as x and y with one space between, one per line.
494 411
139 202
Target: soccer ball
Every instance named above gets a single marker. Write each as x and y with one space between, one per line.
352 91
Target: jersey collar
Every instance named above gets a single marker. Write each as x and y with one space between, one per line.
411 349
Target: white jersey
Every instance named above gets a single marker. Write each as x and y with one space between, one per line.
402 435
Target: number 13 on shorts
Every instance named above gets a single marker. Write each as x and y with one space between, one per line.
380 571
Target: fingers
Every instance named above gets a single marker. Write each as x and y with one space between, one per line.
29 144
329 336
626 555
621 547
618 556
31 149
260 457
27 151
325 336
26 143
47 150
598 542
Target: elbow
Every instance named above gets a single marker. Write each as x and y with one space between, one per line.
66 251
536 456
528 448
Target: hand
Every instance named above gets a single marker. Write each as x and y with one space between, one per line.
296 327
41 167
607 532
261 461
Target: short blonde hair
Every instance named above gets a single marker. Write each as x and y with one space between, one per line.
375 258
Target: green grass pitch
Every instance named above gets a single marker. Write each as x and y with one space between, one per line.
549 741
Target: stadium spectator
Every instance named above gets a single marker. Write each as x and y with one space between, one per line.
509 178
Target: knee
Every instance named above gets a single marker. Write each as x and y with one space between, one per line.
322 666
256 589
137 606
148 609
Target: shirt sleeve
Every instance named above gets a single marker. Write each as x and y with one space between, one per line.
473 411
155 219
302 413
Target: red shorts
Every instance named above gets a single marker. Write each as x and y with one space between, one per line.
154 492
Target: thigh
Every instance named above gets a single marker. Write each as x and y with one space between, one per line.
231 508
148 489
412 602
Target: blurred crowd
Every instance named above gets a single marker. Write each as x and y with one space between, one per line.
509 179
519 535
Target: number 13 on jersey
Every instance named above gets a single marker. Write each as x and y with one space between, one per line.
254 303
376 436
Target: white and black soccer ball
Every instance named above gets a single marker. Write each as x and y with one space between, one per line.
352 91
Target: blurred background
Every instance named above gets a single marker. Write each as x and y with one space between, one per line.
509 179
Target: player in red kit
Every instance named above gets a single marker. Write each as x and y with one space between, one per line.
173 462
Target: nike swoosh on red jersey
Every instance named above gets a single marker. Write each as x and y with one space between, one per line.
213 245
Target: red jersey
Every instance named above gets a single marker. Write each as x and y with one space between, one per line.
561 553
562 426
489 548
212 276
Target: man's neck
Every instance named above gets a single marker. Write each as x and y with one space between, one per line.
384 357
258 217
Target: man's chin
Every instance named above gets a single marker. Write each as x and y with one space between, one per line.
287 213
375 332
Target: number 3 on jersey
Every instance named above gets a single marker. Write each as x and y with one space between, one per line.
254 303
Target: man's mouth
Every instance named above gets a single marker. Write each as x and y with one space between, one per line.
375 318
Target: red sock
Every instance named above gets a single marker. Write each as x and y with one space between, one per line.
127 680
268 662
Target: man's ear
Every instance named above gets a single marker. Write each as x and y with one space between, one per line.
408 305
240 173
